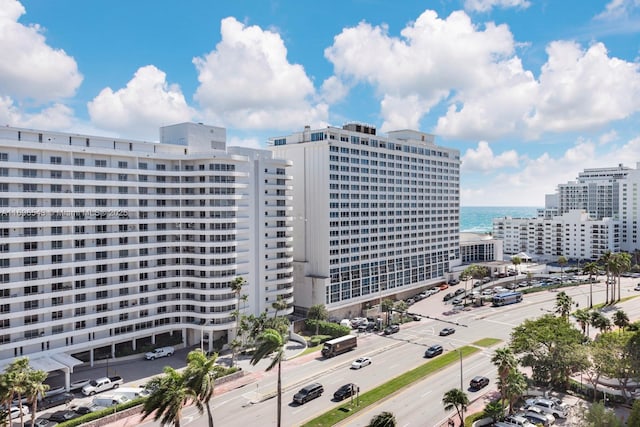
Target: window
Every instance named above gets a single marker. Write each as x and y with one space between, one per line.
78 162
28 158
56 174
55 160
101 163
123 165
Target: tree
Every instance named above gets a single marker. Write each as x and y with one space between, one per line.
583 317
598 355
387 306
504 359
620 319
592 270
562 261
318 312
17 377
272 343
200 377
623 264
563 305
236 288
35 388
279 305
170 394
6 395
634 416
402 307
458 400
605 261
516 261
476 272
600 321
598 416
494 410
549 345
383 419
514 387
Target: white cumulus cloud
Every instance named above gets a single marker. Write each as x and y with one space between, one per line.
31 69
483 159
487 5
247 82
139 109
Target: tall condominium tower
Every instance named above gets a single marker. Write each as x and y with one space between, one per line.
110 243
373 216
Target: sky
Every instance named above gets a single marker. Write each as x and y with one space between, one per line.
531 92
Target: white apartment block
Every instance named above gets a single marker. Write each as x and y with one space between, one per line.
479 248
573 235
374 216
109 242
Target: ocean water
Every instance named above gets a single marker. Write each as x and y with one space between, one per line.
478 219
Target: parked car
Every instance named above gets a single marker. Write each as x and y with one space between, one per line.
391 329
548 406
447 331
514 421
62 416
159 352
443 287
458 292
308 393
361 362
448 296
537 416
453 282
56 400
486 279
637 288
433 351
40 422
14 412
345 391
456 301
370 326
78 384
478 382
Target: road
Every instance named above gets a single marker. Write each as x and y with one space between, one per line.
391 355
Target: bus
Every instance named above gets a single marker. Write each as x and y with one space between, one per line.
506 298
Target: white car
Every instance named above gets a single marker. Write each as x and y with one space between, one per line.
15 412
538 416
514 421
637 288
548 406
361 362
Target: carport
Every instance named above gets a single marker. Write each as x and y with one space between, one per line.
49 363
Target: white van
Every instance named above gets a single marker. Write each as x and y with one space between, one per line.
132 392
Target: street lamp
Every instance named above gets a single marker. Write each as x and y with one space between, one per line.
461 376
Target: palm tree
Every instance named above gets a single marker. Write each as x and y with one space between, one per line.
516 261
6 395
620 319
272 343
383 419
563 305
514 387
35 388
170 394
600 321
605 260
504 359
236 288
200 377
623 264
562 261
279 305
17 374
456 398
402 307
494 410
592 270
583 317
318 312
387 307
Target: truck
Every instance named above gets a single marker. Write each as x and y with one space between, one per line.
102 384
339 345
159 352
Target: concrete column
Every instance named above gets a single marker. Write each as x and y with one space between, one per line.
133 344
67 379
91 358
113 351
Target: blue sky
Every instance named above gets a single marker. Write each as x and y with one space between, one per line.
530 91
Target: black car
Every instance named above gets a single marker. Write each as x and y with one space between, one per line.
391 329
448 296
307 393
40 422
367 328
478 382
447 331
62 416
55 400
345 391
433 351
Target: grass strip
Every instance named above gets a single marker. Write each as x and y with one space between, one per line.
310 350
342 412
487 342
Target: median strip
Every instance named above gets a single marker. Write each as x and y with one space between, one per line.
342 412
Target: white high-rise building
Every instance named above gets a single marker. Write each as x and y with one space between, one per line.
598 212
110 243
374 216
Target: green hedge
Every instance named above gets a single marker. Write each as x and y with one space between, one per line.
326 328
103 413
318 339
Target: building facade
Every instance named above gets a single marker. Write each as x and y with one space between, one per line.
374 216
110 242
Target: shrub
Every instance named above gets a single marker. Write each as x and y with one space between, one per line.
326 328
318 339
